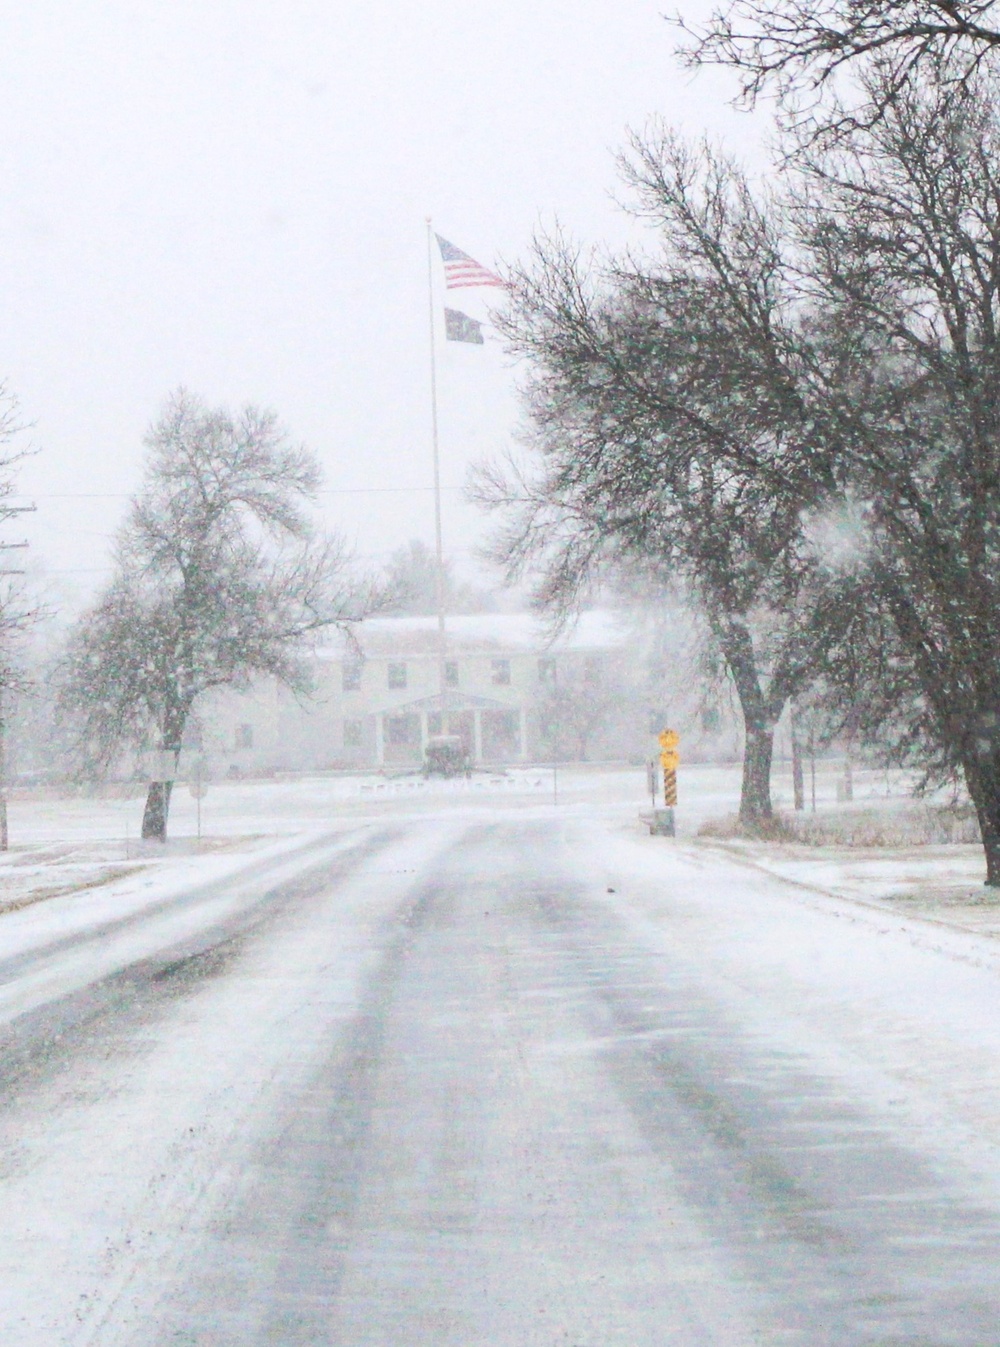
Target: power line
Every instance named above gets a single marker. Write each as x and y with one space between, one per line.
326 491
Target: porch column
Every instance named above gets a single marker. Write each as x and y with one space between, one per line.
522 735
379 740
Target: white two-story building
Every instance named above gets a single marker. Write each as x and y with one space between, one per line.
376 700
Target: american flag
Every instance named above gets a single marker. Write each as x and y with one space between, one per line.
461 270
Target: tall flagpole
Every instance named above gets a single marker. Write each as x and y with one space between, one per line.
439 552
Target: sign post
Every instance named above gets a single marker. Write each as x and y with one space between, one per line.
198 786
663 819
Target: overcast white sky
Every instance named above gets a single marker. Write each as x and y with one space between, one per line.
231 195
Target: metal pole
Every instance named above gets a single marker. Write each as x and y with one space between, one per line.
812 767
798 785
558 735
439 550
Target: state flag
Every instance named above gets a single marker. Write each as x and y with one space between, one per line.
460 327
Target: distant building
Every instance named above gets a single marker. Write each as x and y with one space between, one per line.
375 704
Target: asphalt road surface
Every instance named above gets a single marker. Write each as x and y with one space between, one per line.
430 1082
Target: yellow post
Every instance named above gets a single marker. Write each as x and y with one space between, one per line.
669 760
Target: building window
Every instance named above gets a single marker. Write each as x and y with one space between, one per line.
501 672
403 730
451 673
435 722
547 671
501 734
397 675
244 736
351 676
354 733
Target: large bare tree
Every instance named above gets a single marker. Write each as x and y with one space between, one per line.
667 424
900 229
219 578
796 48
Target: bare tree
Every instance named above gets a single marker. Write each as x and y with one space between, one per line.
572 707
668 424
412 585
796 49
902 230
219 578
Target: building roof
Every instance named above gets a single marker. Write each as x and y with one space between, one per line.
499 633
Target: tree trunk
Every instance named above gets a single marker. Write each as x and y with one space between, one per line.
759 719
755 791
4 836
154 816
982 777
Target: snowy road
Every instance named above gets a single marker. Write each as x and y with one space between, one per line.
522 1082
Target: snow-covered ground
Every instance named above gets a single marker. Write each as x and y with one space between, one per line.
73 843
898 1001
77 845
172 1034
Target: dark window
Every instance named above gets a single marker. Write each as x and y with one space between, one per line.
501 672
546 671
451 673
354 733
711 720
351 674
244 736
501 735
397 675
403 729
435 722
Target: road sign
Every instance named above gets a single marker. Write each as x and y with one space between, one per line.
669 760
668 739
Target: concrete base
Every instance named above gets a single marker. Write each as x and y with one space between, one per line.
661 822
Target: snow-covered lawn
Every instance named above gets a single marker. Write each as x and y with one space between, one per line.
81 843
943 882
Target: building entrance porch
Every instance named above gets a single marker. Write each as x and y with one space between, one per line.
491 731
